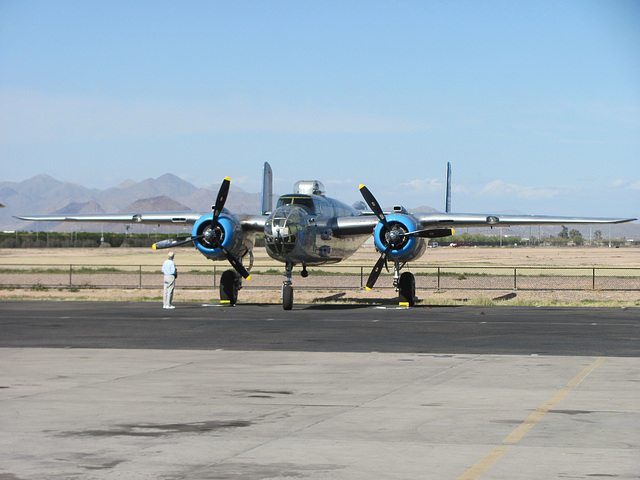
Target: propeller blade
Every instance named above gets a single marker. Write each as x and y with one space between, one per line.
375 273
373 204
236 264
220 200
430 233
173 242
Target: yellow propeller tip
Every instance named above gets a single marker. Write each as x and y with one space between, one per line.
154 246
367 289
453 232
361 186
227 179
248 277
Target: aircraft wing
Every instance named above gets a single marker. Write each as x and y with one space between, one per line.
364 224
446 220
153 218
355 225
250 223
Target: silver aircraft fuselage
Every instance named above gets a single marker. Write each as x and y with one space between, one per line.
301 230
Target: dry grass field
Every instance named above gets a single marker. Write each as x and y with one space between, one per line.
442 256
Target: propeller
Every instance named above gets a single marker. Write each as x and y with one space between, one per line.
394 235
377 210
373 204
212 235
174 242
377 268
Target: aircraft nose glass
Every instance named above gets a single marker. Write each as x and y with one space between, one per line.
282 229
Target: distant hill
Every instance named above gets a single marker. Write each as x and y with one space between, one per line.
156 204
44 194
423 209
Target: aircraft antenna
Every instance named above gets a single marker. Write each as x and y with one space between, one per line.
447 207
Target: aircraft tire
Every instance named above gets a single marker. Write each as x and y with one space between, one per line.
228 288
287 297
407 286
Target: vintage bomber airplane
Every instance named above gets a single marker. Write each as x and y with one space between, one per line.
308 228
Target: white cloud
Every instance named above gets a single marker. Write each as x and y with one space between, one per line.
424 185
339 182
625 184
30 116
501 189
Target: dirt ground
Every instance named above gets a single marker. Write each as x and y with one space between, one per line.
442 256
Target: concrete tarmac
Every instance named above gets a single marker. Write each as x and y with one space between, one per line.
129 390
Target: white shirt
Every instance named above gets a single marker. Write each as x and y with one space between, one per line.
169 267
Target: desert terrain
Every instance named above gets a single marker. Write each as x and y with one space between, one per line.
187 258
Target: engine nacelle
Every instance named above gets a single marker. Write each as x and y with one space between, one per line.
403 248
226 232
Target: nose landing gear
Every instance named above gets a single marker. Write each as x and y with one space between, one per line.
287 285
287 288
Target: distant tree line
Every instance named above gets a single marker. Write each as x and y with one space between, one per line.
20 239
467 239
564 238
76 239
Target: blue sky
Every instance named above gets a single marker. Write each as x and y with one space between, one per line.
535 104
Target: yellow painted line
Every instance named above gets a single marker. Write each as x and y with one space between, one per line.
583 374
521 430
483 465
535 417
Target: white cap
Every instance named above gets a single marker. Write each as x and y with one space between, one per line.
171 255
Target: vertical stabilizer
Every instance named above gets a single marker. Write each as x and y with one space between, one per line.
267 189
447 207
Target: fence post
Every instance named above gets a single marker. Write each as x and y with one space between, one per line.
361 277
438 278
515 278
593 285
140 277
70 270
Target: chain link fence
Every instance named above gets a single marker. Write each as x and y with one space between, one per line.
325 277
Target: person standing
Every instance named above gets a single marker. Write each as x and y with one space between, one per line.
170 274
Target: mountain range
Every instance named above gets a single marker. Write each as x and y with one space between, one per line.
44 194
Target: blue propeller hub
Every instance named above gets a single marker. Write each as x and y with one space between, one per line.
402 248
215 236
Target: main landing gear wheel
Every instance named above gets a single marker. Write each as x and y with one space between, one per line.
287 297
407 289
229 287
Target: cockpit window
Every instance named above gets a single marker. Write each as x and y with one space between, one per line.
301 200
